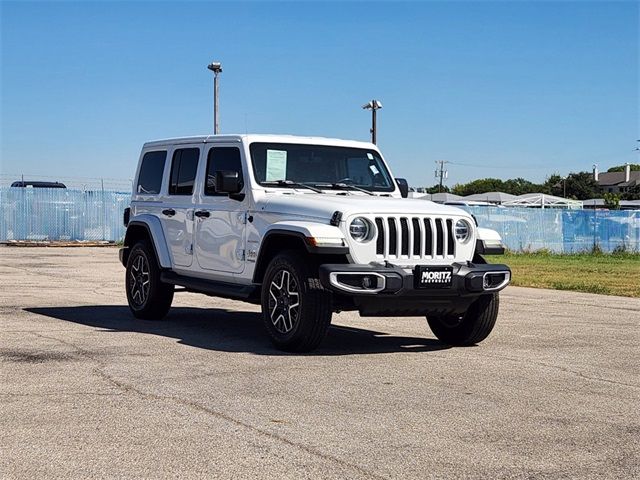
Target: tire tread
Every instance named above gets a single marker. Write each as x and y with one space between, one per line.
477 323
317 303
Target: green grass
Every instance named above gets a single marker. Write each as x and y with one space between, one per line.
615 274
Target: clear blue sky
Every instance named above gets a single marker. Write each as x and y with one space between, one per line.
502 89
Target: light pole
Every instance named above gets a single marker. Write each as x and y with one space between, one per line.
216 68
373 105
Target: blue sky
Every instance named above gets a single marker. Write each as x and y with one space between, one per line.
502 89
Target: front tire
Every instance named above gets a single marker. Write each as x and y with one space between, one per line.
148 297
470 328
296 309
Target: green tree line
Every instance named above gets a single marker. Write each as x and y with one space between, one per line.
579 186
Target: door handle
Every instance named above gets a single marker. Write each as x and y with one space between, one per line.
169 212
202 214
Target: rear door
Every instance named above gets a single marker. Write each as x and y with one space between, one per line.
147 197
220 224
177 209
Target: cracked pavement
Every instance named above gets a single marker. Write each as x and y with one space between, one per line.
86 391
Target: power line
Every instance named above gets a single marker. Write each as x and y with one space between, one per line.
587 158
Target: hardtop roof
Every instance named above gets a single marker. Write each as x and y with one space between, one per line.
267 138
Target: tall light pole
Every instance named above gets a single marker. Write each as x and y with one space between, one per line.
216 68
373 105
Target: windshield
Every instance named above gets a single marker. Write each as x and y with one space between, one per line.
320 165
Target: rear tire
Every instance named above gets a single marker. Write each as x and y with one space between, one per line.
148 297
296 309
470 328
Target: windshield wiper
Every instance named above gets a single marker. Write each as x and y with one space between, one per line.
345 186
290 183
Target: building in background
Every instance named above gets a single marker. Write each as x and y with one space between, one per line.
617 182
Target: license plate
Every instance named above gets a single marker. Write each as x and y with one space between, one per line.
433 277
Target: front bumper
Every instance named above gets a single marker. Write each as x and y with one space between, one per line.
378 289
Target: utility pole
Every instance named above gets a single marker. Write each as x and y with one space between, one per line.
216 68
374 106
441 173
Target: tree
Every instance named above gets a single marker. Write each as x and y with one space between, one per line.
520 186
611 201
481 185
620 168
554 185
632 194
436 189
580 186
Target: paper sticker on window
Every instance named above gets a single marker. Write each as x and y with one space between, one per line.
276 165
369 156
374 169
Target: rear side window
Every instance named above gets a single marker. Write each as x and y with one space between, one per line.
183 171
151 171
221 158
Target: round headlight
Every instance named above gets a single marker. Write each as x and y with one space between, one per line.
462 230
359 229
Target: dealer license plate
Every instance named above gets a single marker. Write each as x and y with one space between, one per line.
432 277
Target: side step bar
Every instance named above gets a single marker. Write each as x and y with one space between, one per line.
248 293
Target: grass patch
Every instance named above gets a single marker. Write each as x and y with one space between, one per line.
614 274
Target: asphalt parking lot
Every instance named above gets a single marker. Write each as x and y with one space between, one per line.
86 391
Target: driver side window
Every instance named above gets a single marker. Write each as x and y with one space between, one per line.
221 158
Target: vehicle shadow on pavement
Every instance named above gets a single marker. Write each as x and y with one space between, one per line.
232 331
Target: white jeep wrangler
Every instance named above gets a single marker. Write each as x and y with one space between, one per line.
305 227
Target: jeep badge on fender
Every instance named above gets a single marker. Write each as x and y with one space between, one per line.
304 227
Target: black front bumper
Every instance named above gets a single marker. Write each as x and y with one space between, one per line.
397 293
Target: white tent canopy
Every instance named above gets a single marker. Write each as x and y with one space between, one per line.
442 197
542 200
491 197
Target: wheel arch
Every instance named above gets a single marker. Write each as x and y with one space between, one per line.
147 227
278 240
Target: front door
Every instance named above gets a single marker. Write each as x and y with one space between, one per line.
177 209
220 220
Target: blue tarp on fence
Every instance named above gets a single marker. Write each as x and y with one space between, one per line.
562 231
65 214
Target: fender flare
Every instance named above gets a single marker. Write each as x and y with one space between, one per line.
154 229
489 242
301 231
306 230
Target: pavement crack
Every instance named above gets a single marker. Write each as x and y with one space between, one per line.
128 388
61 394
563 369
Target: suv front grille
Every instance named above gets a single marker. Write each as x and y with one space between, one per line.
414 237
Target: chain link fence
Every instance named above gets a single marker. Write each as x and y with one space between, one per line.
72 183
66 214
61 214
562 231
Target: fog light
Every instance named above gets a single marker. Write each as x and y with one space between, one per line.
492 280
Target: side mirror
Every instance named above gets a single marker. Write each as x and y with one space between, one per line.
403 186
228 181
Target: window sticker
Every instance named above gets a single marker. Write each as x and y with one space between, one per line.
276 165
369 156
374 169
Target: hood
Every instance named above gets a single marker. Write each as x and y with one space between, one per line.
324 205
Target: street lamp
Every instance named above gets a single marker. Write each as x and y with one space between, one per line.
373 105
216 68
